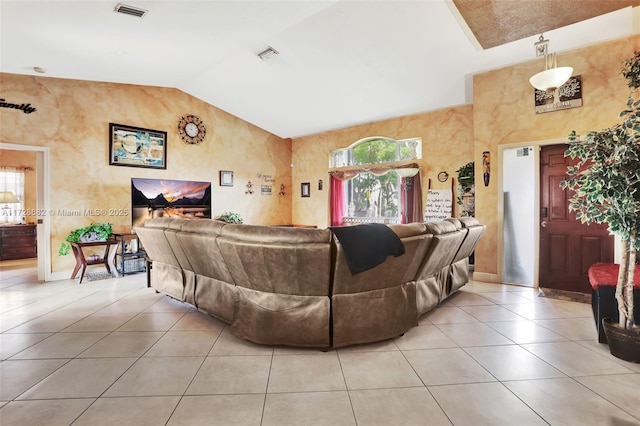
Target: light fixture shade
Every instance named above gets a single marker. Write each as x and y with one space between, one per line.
551 79
407 172
8 197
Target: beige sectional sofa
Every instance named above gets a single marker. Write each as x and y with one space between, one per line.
292 286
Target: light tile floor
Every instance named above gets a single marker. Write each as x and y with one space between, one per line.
114 352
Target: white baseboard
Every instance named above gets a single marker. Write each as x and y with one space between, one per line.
61 275
486 277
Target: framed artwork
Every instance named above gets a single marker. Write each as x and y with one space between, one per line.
305 189
137 147
226 178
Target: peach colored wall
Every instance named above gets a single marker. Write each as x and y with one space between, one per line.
503 113
73 117
20 159
447 144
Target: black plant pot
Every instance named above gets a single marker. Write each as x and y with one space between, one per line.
624 343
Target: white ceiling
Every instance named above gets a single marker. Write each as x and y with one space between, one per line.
341 62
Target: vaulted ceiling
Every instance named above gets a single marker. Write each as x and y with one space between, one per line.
339 62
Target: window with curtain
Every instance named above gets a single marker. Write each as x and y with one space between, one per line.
368 184
11 194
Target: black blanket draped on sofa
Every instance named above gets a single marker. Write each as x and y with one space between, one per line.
367 245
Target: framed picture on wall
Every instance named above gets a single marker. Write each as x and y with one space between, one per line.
305 189
226 178
137 147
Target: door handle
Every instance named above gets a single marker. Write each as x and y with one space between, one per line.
543 223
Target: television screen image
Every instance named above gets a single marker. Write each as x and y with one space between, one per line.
169 198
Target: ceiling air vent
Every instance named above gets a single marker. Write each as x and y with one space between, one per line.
267 53
130 10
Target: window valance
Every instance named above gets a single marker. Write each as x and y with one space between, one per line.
348 173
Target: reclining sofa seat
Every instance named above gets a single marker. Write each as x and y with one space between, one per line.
167 275
459 270
292 286
379 303
433 275
282 278
214 290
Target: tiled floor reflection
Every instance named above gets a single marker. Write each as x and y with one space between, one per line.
115 352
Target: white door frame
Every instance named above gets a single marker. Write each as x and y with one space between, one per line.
536 215
43 205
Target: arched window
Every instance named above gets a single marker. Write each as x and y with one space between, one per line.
375 177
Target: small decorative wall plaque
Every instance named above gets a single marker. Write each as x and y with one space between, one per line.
486 167
265 189
569 95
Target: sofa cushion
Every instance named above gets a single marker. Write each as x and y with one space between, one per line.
168 279
394 271
606 274
281 319
373 315
275 234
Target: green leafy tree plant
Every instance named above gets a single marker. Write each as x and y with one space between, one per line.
606 185
376 194
466 179
93 232
230 217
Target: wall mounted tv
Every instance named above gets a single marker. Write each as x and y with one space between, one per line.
169 198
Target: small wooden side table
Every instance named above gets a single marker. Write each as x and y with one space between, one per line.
108 259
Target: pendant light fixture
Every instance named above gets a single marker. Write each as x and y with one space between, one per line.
407 172
553 76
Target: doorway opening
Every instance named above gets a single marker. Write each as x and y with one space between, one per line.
518 198
43 225
542 244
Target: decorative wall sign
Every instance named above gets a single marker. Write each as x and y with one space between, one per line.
439 205
265 178
569 95
226 178
265 189
137 147
26 108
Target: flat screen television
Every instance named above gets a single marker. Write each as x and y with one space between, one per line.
169 198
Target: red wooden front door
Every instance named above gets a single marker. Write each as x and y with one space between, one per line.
567 247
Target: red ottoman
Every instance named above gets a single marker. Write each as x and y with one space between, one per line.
603 278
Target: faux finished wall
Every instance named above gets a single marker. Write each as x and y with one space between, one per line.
73 117
447 144
503 113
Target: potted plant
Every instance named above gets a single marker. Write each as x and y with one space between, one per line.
230 217
93 232
606 185
466 189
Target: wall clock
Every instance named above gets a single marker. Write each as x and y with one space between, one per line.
443 176
191 129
